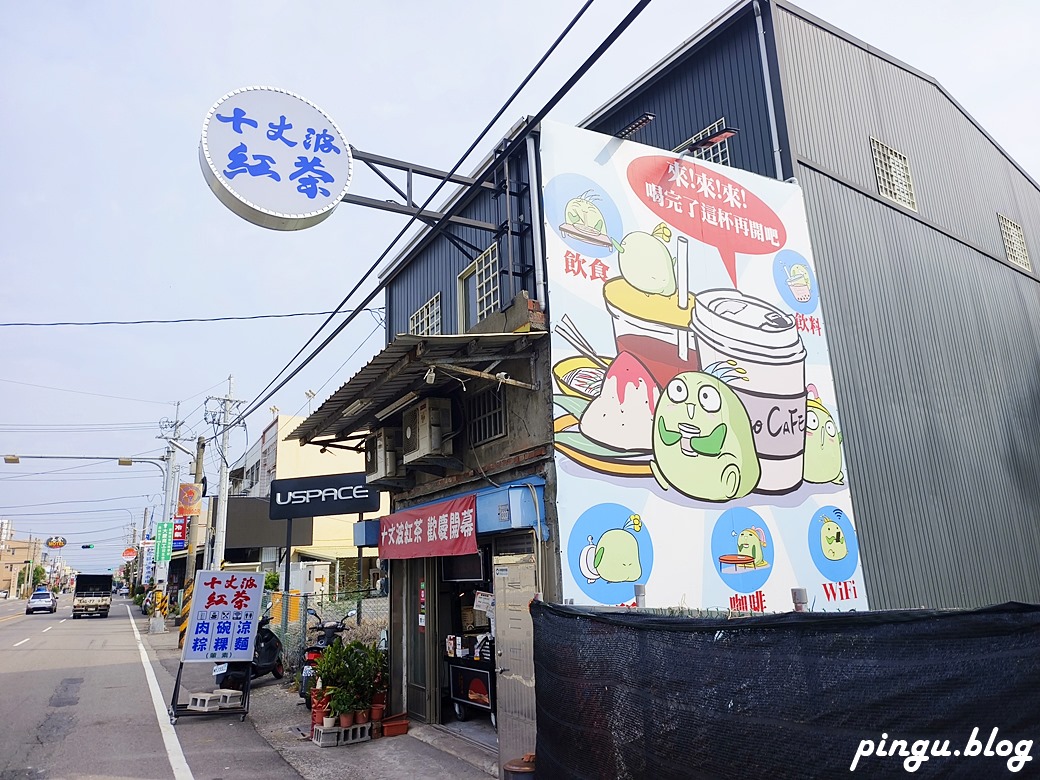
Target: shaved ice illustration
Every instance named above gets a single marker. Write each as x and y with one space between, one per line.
703 444
622 415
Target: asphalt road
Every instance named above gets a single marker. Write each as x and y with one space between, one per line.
87 699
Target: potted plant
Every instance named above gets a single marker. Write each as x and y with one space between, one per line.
380 681
343 704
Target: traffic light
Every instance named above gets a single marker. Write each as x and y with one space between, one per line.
87 546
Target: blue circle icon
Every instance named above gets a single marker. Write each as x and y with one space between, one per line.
582 213
833 544
796 281
609 552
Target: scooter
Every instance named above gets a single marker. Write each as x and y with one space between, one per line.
267 659
328 633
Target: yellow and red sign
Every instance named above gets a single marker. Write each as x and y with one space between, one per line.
189 500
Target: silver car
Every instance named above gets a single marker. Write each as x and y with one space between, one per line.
41 601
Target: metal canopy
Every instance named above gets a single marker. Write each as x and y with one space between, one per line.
402 368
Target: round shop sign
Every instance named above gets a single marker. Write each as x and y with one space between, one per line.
129 554
274 158
56 542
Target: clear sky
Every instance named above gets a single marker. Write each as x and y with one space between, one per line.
105 215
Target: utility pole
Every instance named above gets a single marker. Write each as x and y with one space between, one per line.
140 550
189 566
215 560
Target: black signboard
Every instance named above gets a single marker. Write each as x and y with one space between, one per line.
332 494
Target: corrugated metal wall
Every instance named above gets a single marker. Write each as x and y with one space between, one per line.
436 267
838 95
936 353
722 81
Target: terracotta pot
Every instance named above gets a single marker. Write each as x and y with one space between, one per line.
361 716
346 719
377 712
379 697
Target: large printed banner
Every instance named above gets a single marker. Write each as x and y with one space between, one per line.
698 443
445 528
225 609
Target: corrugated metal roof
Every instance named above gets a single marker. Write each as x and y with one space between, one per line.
400 369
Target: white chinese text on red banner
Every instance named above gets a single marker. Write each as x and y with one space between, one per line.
445 528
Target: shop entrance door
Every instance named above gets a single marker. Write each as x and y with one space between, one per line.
514 651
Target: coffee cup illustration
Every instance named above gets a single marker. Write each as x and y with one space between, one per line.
764 341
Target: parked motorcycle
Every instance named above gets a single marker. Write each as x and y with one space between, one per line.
267 659
329 632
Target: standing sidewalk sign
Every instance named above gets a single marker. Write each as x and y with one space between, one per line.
222 625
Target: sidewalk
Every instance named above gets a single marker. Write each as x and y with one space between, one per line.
280 718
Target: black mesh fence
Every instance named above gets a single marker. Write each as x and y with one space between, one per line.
801 695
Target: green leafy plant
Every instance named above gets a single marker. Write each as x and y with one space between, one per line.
271 580
342 701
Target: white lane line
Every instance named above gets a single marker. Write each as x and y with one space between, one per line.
181 770
47 629
62 620
21 643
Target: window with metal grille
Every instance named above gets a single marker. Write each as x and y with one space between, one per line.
1014 243
486 416
478 288
716 153
426 320
892 169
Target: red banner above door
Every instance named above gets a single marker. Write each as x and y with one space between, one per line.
445 528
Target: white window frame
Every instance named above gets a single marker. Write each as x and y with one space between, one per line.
716 153
892 170
426 320
1014 243
486 287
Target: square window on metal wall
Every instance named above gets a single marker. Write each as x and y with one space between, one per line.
426 320
716 153
478 289
1014 243
485 415
892 169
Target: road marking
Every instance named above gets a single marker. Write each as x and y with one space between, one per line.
62 620
181 770
21 643
47 629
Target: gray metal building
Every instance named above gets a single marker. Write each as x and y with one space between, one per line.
923 230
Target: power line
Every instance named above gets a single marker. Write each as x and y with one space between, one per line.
171 322
260 400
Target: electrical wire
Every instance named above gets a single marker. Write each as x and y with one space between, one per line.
262 398
171 322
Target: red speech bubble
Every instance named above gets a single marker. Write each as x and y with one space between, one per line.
708 206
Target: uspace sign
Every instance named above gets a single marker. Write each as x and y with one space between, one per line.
332 494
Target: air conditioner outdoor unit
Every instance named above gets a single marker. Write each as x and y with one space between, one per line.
425 428
382 450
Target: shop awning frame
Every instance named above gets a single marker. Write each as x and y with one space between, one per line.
405 367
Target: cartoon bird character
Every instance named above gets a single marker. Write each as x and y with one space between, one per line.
646 263
832 539
703 443
615 557
822 443
752 542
